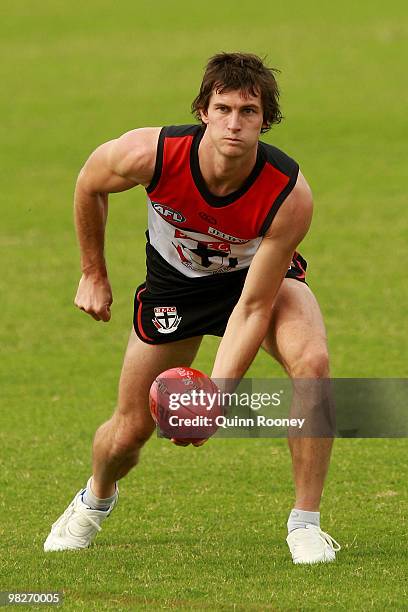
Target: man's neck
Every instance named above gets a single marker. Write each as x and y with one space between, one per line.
223 175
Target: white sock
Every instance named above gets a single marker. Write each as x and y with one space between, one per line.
96 503
300 518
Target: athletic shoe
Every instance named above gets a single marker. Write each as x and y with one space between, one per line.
77 527
312 545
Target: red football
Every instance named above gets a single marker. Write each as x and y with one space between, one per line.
185 405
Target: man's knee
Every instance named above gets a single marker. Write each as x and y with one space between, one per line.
129 438
313 362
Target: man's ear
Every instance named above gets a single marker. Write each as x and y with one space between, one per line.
203 116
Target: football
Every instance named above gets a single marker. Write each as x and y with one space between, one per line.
184 404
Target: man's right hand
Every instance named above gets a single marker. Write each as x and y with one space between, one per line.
94 296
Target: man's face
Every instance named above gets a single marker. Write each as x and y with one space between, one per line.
234 120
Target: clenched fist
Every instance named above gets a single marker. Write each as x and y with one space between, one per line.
94 296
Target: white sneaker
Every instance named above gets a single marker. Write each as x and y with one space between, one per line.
312 545
77 527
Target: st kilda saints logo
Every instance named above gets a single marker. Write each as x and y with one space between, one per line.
166 319
168 213
204 255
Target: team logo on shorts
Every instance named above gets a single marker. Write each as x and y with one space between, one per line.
166 319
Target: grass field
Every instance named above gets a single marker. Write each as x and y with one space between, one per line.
197 528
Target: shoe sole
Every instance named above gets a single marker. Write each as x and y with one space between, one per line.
53 544
315 562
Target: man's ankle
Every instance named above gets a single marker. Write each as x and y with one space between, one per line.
300 518
97 502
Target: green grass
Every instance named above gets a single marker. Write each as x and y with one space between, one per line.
196 529
212 535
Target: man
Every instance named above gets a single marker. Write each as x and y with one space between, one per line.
226 213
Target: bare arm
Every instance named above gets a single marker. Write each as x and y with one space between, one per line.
249 321
115 166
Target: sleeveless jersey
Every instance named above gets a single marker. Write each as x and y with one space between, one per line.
200 234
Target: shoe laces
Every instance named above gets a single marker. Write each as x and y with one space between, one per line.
72 509
90 520
299 542
329 541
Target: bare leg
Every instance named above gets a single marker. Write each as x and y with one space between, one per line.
297 339
118 442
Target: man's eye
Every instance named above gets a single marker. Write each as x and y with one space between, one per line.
248 111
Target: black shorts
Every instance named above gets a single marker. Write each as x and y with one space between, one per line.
170 306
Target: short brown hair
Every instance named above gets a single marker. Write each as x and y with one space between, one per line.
240 71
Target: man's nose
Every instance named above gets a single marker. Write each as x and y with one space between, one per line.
234 122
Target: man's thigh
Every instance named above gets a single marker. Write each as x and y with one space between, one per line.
297 335
142 363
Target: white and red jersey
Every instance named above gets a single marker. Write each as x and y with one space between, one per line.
200 234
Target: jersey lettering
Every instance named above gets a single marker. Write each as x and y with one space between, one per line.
215 232
166 211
